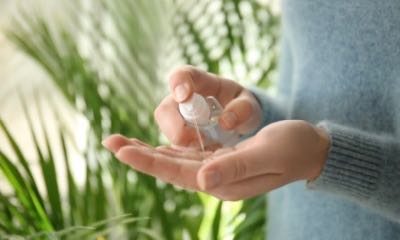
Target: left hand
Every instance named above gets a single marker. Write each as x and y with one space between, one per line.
280 153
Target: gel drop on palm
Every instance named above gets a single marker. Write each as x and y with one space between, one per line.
204 112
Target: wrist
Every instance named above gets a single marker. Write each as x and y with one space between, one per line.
322 150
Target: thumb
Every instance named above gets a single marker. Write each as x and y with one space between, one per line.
235 166
242 114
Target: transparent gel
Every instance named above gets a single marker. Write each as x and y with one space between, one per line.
203 113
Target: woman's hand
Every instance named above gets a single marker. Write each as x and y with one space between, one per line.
280 153
242 112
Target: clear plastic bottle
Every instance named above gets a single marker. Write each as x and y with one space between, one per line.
205 112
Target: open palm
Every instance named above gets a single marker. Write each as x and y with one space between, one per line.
279 154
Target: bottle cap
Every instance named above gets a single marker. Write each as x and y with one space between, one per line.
195 109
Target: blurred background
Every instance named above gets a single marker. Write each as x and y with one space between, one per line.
72 72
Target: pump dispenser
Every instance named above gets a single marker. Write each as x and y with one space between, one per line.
205 112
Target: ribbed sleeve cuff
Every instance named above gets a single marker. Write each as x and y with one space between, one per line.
354 163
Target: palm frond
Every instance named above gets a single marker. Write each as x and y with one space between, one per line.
109 61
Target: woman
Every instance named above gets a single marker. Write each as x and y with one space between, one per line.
335 172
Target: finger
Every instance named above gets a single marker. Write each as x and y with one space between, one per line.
116 141
250 187
171 123
224 150
242 114
135 141
205 143
185 80
237 165
177 171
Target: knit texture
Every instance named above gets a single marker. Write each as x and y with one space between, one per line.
340 70
355 162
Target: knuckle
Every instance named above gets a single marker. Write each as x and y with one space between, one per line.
164 107
185 68
179 140
173 176
159 113
179 137
146 167
240 169
181 72
246 109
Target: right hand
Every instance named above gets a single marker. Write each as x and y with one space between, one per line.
242 111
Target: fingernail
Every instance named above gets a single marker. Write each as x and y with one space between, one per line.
112 142
106 142
211 179
181 91
229 120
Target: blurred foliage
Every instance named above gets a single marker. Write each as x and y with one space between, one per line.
109 59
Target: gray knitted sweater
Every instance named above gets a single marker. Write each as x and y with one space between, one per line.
340 68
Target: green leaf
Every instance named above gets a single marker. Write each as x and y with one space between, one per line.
217 222
21 158
118 93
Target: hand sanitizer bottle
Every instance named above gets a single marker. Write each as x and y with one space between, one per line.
204 112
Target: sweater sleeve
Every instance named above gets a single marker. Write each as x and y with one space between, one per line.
272 108
364 167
